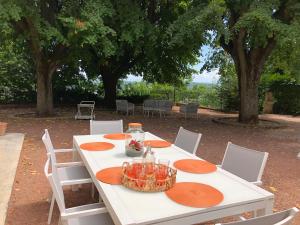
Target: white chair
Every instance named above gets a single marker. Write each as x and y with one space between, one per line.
69 173
187 140
106 127
91 214
47 138
189 109
279 218
124 106
246 163
85 110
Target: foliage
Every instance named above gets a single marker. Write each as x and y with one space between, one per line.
16 72
286 92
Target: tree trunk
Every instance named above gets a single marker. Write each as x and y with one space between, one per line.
110 90
248 91
44 90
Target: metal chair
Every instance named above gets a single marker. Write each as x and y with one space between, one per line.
279 218
187 140
189 109
69 173
246 163
91 214
106 127
47 138
164 106
150 105
124 106
88 106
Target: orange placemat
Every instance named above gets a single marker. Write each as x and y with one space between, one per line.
195 166
111 175
157 143
195 195
117 136
97 146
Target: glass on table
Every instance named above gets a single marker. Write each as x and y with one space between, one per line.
162 169
137 166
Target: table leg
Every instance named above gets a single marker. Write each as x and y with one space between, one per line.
75 159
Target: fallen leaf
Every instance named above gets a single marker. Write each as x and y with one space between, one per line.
273 189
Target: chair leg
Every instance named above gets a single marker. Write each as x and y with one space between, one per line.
93 190
51 209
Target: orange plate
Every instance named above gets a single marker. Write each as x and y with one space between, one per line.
157 143
117 136
195 166
195 195
97 146
111 175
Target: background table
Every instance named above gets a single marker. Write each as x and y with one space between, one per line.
130 207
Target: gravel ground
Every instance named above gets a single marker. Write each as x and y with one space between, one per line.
28 203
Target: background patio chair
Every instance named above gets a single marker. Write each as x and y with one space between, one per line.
106 127
246 163
71 173
150 105
124 106
279 218
91 214
164 106
189 109
187 140
85 110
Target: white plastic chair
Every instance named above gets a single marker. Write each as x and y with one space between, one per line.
187 140
91 214
69 173
246 163
106 127
279 218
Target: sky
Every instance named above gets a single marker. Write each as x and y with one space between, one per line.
204 77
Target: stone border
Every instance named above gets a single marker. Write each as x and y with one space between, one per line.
229 121
10 149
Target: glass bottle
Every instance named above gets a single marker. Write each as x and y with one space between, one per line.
149 160
134 144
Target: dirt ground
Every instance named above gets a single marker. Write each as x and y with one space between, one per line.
28 203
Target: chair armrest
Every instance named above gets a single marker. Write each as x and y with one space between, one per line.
258 183
69 164
63 150
82 213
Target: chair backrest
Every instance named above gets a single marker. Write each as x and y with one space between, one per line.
49 146
121 104
106 127
188 140
55 184
246 163
150 103
165 105
279 218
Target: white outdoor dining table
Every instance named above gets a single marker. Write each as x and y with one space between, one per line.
130 207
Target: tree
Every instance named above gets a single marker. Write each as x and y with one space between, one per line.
248 30
49 27
139 45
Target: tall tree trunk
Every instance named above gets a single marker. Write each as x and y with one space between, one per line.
44 90
110 89
248 91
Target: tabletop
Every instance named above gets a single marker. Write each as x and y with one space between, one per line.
131 207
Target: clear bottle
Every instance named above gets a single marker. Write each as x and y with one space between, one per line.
149 161
134 145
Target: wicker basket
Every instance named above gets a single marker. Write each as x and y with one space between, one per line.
150 183
3 127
